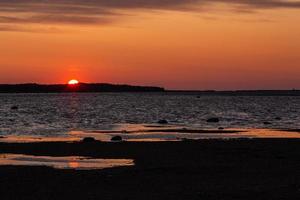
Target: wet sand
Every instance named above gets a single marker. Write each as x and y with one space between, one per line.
204 169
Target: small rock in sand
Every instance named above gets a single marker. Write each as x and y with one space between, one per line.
278 118
221 128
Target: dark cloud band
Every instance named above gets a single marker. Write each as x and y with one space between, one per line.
101 11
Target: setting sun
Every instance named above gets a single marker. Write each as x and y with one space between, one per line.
73 82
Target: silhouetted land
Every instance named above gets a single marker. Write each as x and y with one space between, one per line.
207 169
81 87
240 93
105 87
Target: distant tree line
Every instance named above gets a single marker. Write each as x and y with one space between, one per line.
293 92
81 87
105 87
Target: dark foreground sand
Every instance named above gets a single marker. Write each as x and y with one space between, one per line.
208 169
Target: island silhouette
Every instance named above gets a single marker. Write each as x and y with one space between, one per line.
80 87
108 87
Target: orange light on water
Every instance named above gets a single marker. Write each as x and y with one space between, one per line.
73 82
73 164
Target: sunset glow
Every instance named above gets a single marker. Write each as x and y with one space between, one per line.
196 44
73 82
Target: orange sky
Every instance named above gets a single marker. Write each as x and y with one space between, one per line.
193 45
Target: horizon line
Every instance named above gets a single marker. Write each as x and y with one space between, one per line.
165 89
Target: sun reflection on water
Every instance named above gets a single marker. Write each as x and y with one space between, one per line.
70 162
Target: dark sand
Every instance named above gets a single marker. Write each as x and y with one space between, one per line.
206 169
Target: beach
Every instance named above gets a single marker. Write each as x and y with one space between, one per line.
196 169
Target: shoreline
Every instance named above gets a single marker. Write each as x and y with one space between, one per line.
117 89
118 149
159 133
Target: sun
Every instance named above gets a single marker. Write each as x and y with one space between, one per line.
73 82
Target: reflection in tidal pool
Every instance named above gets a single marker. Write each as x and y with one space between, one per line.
70 162
155 133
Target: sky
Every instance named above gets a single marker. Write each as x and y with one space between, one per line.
176 44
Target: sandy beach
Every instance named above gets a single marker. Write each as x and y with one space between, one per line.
204 169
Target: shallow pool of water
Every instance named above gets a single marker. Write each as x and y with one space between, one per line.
69 162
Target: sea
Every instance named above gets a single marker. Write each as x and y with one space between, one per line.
102 115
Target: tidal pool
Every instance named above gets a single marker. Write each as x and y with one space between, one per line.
68 162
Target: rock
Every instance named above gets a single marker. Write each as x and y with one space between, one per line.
278 118
14 108
186 139
89 139
267 123
116 138
162 121
213 120
221 128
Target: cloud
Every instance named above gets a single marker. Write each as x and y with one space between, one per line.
20 28
10 28
56 19
14 12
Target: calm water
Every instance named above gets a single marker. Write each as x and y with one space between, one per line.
70 162
52 115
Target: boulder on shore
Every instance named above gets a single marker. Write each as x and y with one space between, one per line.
89 139
116 138
267 123
14 108
162 121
